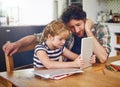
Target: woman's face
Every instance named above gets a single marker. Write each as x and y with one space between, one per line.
77 27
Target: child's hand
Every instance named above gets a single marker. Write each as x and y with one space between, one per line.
79 62
93 59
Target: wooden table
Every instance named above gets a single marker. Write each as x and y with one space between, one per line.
96 76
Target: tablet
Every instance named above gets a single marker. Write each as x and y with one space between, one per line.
87 50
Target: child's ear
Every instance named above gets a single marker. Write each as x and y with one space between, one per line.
50 36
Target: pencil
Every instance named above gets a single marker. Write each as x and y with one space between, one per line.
103 72
109 67
113 68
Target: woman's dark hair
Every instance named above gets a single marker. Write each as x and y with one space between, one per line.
73 12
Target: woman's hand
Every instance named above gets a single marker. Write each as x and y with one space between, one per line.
88 25
10 48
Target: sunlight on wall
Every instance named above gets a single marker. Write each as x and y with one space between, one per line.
29 12
36 11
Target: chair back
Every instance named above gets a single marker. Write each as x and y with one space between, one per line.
10 62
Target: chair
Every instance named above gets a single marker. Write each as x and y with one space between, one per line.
10 63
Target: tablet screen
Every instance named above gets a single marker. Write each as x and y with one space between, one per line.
87 50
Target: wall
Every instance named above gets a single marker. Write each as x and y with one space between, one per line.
40 12
14 33
114 28
92 7
36 12
61 6
29 12
113 5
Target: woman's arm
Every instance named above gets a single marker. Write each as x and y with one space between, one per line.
11 48
99 49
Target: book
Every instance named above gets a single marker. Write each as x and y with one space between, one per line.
56 73
116 65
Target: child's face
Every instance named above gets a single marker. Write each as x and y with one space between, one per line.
58 41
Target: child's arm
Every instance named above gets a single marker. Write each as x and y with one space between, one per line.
69 54
43 57
93 59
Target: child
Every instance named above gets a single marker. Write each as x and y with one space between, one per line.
48 52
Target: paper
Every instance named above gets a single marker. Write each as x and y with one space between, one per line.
117 63
56 73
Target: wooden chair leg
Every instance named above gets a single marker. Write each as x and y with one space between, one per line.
5 82
9 63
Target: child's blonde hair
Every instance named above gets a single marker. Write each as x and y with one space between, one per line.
55 28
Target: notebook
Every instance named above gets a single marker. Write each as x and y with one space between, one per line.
116 63
87 50
56 73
